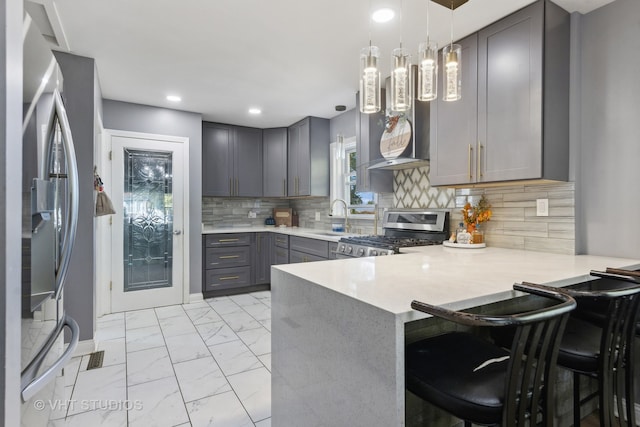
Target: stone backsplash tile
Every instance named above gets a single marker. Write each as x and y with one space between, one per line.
412 189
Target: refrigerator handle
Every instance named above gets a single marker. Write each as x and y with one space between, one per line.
33 387
72 177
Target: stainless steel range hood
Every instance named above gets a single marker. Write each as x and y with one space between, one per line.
416 153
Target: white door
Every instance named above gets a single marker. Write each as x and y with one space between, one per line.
148 188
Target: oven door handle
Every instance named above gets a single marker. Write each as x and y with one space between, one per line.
34 386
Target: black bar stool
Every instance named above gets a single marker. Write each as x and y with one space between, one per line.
599 342
482 383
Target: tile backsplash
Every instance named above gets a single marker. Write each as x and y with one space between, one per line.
514 223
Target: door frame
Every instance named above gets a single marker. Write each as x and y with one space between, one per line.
104 243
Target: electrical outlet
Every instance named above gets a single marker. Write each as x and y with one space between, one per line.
542 207
317 216
252 214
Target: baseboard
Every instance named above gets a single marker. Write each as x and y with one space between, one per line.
195 297
85 347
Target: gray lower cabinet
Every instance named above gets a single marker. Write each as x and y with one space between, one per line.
308 158
302 249
512 122
280 249
262 258
226 262
333 250
231 160
274 162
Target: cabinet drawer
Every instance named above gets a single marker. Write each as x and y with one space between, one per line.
295 257
281 240
227 239
280 256
333 249
223 278
227 257
310 246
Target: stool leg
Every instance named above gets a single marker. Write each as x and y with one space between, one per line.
467 423
576 399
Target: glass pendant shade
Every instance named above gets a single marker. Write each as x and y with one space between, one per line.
452 76
369 80
427 71
401 89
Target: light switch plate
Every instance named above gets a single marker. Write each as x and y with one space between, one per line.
252 214
542 207
317 216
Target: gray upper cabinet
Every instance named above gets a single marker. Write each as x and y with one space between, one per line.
308 158
369 129
512 121
274 146
454 125
231 161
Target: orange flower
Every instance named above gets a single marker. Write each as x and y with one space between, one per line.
478 213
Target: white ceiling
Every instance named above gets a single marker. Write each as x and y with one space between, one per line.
291 58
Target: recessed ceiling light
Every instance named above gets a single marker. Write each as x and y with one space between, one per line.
255 111
173 98
383 15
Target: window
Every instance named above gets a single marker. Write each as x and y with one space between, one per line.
343 185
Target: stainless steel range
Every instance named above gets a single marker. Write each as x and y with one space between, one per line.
402 228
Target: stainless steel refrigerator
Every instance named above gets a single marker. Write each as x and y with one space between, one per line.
50 211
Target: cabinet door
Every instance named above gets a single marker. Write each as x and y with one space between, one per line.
274 152
304 158
248 162
454 124
262 260
292 160
217 160
297 257
510 96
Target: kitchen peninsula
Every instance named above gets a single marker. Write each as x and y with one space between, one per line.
338 327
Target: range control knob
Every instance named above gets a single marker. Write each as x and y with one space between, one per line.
374 252
383 253
349 249
341 247
360 252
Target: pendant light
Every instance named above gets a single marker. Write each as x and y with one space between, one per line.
369 80
369 77
452 76
427 67
401 88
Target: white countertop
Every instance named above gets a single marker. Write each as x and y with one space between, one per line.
291 231
457 278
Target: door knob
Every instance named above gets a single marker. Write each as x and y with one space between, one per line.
177 232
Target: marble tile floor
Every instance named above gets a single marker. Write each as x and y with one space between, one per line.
201 364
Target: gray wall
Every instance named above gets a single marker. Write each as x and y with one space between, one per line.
79 92
10 202
143 118
344 124
607 196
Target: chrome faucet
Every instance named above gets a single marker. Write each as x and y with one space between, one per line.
346 213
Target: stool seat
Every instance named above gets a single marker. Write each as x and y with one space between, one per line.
580 346
454 381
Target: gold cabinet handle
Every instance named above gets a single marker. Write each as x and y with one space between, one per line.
469 159
258 238
230 187
479 171
297 191
229 256
237 193
230 278
284 187
228 240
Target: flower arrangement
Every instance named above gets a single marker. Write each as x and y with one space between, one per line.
474 215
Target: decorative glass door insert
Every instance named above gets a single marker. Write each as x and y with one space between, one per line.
148 219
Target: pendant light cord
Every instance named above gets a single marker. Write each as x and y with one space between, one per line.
428 1
451 25
401 19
